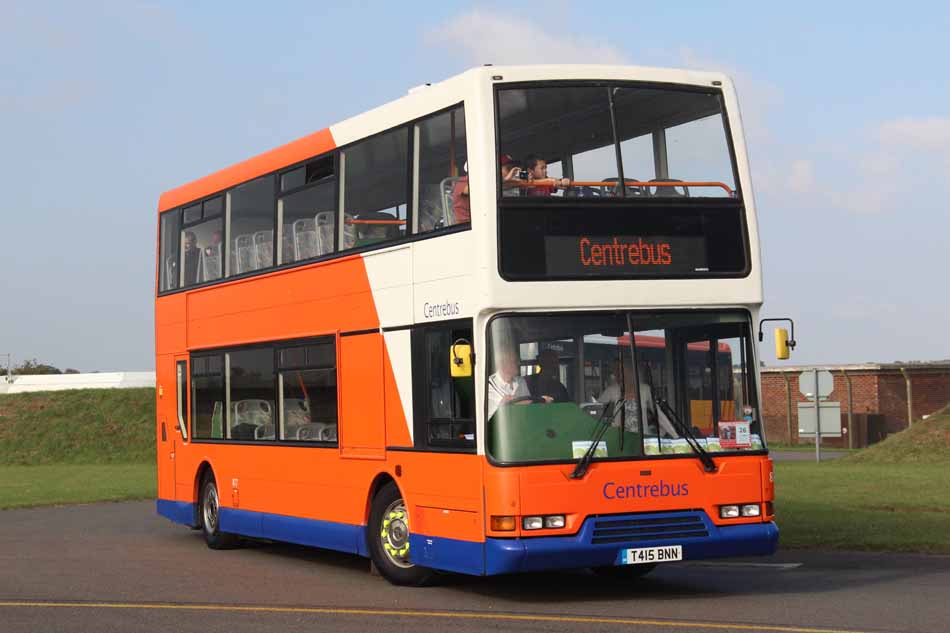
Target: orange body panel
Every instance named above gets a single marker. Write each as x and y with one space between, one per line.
328 484
362 426
544 490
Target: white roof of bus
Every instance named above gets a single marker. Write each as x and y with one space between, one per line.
427 98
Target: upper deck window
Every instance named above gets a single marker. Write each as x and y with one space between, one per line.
307 215
251 226
202 236
442 195
577 141
375 192
168 251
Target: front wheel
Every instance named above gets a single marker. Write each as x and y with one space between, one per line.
389 539
209 516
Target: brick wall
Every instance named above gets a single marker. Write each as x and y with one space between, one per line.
931 392
875 391
864 395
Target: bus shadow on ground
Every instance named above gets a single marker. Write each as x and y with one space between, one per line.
668 582
672 582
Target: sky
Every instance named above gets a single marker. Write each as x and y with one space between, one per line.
105 104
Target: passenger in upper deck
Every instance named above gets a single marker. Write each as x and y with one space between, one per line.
461 204
191 258
537 169
510 183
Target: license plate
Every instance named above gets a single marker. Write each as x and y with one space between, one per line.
644 555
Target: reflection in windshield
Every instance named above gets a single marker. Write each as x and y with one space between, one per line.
554 379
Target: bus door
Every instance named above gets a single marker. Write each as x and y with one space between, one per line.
178 426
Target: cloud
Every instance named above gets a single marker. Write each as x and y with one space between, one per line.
483 37
907 155
929 133
801 176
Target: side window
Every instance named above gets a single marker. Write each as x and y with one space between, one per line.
207 397
251 226
168 250
444 406
308 392
375 192
306 217
441 194
181 381
251 412
202 240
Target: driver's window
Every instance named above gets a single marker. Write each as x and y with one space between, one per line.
445 410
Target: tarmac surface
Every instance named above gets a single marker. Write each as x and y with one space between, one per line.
120 567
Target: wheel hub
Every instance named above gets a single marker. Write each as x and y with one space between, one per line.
394 535
211 509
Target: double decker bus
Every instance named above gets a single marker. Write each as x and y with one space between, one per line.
501 324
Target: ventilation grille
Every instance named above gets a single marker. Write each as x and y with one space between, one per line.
653 527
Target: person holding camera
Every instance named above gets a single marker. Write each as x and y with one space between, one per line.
537 169
512 176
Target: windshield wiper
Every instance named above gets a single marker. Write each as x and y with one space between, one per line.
601 427
708 464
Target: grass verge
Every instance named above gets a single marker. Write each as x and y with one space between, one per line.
84 426
54 484
889 497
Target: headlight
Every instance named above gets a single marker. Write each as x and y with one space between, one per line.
532 523
751 510
728 512
554 521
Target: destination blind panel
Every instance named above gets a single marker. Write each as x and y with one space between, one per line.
573 242
624 254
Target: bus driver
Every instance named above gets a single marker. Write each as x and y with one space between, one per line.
506 384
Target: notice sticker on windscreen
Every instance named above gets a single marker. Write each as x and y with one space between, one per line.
734 434
579 448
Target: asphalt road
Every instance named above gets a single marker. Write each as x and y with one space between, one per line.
120 567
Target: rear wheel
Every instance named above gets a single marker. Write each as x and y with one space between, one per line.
389 539
209 516
624 572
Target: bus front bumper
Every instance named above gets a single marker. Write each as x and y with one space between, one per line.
587 548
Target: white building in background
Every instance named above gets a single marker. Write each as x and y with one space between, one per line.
60 382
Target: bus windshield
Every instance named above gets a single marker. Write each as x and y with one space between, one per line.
553 380
579 140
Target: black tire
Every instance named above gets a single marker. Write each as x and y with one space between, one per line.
388 539
208 514
624 572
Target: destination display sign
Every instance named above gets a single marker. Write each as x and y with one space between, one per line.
612 255
570 240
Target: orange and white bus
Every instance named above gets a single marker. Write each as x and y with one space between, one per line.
501 324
